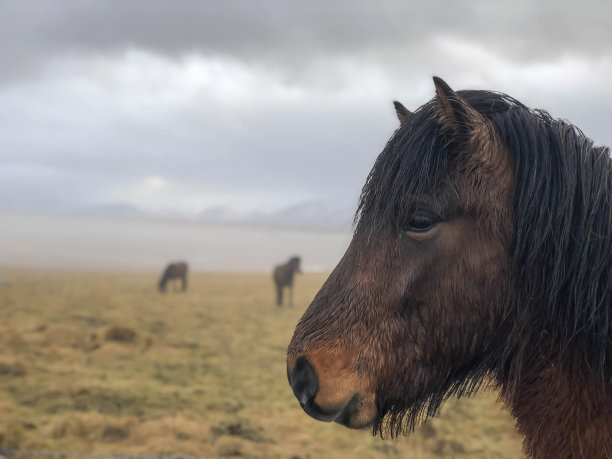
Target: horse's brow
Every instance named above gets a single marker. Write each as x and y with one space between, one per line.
445 203
433 201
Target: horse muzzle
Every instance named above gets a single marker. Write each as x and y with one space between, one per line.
329 403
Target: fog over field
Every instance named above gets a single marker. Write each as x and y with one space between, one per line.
110 243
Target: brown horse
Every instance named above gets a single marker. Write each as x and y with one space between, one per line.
482 251
173 271
283 277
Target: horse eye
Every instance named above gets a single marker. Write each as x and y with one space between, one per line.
420 223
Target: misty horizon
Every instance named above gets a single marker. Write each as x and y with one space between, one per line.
110 243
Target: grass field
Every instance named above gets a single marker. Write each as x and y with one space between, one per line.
101 362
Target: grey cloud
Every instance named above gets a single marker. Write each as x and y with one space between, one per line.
291 34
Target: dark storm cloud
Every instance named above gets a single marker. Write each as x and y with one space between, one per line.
288 34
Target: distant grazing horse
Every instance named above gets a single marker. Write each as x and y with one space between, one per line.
482 251
174 271
283 277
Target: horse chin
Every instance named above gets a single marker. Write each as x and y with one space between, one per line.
354 414
359 412
357 421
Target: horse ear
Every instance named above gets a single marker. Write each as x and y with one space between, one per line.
402 112
460 122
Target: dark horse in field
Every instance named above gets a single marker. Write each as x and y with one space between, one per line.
283 277
173 271
482 252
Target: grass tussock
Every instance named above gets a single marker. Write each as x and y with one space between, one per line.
120 335
98 362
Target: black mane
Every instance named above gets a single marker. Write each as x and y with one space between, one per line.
562 239
562 246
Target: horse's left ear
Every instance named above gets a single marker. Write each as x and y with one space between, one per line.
461 123
402 112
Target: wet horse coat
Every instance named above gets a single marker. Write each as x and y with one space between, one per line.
482 251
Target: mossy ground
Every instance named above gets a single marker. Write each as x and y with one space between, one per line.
103 362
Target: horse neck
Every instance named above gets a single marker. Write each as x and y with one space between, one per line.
563 411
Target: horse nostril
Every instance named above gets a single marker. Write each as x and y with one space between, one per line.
303 380
305 384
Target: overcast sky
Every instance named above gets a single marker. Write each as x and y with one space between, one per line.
226 107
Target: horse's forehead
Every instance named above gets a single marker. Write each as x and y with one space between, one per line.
417 170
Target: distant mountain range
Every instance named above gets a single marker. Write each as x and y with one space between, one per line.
111 209
309 214
305 214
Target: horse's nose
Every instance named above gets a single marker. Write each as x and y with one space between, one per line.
304 382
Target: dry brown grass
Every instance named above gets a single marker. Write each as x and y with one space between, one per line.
98 362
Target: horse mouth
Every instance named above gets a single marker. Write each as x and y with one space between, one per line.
347 415
349 411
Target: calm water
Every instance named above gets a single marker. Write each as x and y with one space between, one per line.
116 243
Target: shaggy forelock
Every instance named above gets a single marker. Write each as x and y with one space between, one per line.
411 164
